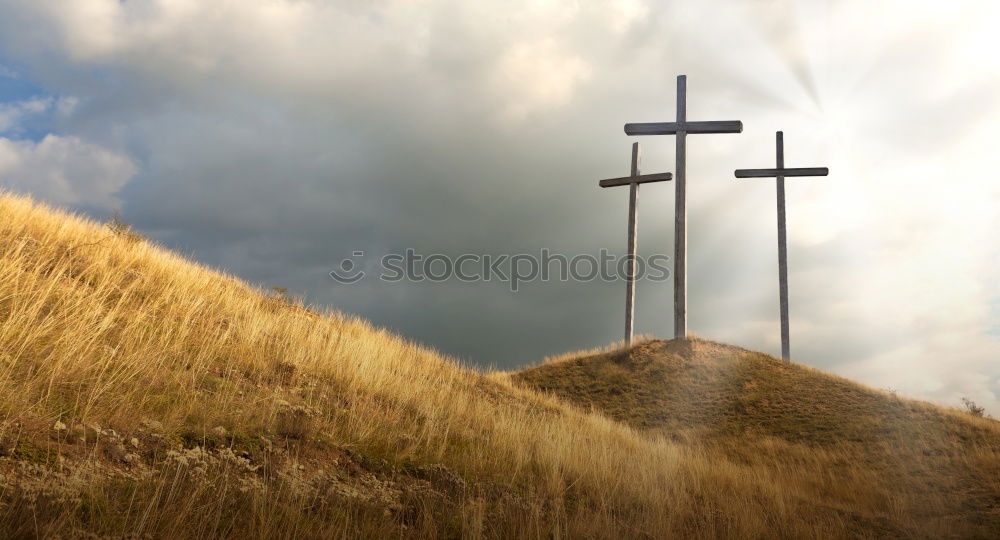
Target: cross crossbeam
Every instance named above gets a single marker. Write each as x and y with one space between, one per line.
780 173
673 128
681 128
641 179
774 173
633 182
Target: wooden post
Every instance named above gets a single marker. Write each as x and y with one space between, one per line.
632 235
779 174
680 214
782 252
633 209
681 129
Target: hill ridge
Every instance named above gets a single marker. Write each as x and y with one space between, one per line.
938 467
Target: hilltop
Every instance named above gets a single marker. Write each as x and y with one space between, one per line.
899 463
142 394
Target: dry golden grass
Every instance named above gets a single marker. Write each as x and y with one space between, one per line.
898 464
142 394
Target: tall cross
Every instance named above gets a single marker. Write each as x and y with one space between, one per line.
780 173
632 182
681 128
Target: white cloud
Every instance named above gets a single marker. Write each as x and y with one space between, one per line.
12 113
626 12
533 76
64 170
90 29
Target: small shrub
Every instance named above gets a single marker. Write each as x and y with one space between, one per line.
121 228
972 408
295 422
281 299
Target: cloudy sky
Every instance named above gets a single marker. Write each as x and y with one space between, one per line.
273 138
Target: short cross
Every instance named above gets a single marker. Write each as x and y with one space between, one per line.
632 182
780 173
681 128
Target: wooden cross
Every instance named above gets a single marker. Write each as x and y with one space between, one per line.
780 173
681 128
632 182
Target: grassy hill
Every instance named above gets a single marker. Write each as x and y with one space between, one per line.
144 395
898 465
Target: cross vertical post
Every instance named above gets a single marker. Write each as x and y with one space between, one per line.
680 214
681 129
632 181
782 250
779 175
633 209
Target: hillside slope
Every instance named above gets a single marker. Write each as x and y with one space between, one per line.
144 395
900 463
